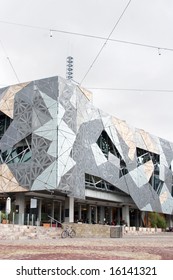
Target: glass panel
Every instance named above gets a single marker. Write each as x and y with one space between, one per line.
4 123
106 145
97 183
21 152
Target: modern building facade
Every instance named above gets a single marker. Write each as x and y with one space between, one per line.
61 156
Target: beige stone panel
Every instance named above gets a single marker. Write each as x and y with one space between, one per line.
132 149
127 135
115 121
5 172
7 181
1 168
124 129
149 143
7 103
163 197
14 187
3 183
148 169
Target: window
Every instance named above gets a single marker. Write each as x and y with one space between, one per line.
4 123
21 152
95 182
142 157
106 145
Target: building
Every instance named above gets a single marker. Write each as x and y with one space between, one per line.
60 156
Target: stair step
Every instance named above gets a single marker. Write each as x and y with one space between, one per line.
16 232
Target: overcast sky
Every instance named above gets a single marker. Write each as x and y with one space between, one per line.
135 82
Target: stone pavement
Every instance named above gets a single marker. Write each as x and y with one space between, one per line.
145 247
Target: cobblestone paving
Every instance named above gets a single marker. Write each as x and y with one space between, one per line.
149 247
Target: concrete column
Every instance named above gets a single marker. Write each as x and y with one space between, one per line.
96 215
20 206
89 214
39 209
169 220
60 211
71 209
125 214
118 216
142 221
93 214
79 212
66 210
110 215
53 209
102 214
137 218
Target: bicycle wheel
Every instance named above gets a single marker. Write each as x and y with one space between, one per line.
64 234
72 233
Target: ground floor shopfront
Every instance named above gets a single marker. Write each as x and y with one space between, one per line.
40 208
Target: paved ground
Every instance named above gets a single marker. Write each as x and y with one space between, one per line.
147 247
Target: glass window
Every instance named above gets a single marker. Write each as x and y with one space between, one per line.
4 123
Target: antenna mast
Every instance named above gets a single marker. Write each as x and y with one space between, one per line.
69 68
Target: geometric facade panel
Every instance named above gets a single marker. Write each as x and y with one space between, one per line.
54 138
8 182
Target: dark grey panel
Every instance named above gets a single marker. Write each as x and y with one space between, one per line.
49 86
22 173
40 107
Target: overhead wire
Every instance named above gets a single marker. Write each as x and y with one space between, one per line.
131 89
98 54
52 30
9 61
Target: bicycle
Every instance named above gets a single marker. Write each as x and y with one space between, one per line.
68 231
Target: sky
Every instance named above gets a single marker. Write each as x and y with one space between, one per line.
122 50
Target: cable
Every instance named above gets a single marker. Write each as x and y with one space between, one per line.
159 48
106 41
13 69
131 89
9 60
23 25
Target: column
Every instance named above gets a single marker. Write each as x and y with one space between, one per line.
137 218
39 210
96 221
66 210
71 209
125 214
169 220
110 215
118 216
102 214
53 209
93 214
60 211
20 207
89 214
79 212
